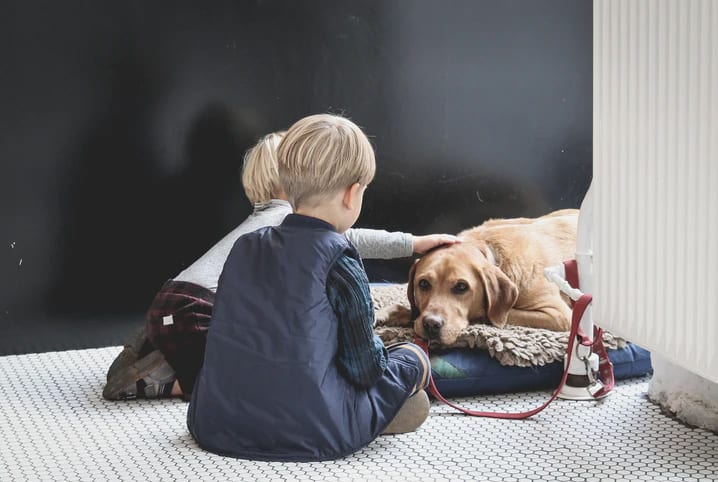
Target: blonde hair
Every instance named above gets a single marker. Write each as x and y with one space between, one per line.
259 169
321 154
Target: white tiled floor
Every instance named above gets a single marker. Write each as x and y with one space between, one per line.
54 425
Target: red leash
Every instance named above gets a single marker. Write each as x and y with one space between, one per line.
578 309
605 367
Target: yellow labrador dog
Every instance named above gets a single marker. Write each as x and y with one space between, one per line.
495 275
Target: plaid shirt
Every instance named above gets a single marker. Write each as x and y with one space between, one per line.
362 356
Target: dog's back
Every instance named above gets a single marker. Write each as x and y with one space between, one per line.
523 247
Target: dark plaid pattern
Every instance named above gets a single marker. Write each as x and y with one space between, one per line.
362 355
177 323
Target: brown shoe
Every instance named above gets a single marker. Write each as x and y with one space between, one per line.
130 353
411 415
149 377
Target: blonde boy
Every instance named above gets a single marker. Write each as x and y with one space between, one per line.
293 370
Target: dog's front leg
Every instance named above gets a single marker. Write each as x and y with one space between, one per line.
394 315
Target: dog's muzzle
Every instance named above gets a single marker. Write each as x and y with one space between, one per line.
432 325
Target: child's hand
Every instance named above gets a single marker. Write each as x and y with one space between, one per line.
422 244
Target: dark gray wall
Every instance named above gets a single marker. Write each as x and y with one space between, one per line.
122 126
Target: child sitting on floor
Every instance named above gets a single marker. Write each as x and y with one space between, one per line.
163 358
293 370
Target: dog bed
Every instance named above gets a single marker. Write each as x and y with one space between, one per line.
486 359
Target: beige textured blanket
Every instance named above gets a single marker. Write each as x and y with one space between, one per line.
512 345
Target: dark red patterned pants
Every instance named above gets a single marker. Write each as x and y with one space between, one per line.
177 323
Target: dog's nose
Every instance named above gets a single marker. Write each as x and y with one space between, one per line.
432 325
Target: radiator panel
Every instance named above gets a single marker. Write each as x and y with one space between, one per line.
656 176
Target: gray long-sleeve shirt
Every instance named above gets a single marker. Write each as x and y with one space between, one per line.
371 243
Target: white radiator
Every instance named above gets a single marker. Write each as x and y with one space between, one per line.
655 177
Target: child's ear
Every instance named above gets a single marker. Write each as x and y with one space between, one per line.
351 195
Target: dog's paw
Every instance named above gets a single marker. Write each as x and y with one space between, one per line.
394 315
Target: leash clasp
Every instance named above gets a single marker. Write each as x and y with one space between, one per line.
591 362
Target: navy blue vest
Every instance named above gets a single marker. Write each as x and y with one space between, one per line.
270 388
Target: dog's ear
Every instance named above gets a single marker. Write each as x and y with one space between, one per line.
487 253
501 295
410 292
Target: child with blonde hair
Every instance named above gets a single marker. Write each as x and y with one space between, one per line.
163 358
293 370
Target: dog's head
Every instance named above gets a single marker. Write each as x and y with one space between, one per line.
456 285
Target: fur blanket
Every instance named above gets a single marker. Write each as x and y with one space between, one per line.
512 345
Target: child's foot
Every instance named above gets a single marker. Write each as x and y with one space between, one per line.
148 377
411 415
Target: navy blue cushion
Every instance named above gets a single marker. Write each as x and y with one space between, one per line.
465 372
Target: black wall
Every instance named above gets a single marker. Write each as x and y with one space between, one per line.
123 124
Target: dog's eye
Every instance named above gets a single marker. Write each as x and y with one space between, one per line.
424 285
460 287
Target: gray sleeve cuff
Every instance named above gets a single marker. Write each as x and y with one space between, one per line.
380 244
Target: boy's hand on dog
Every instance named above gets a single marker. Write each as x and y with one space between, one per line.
422 244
